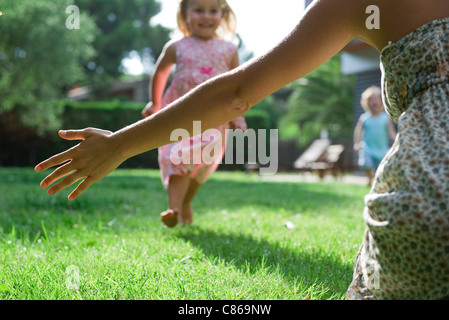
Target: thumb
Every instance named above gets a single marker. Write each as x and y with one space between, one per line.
73 134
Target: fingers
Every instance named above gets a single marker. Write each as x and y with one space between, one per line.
147 113
68 181
69 177
65 182
86 183
53 161
56 175
63 156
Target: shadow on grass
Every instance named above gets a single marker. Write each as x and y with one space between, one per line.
248 254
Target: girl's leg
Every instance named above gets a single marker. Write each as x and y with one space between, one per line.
369 173
186 210
177 188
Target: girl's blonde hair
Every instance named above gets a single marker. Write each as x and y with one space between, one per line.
228 21
368 93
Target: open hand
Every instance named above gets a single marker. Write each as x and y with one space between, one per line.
91 160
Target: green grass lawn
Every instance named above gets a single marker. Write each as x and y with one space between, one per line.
110 243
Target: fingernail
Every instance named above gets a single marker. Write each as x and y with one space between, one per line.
43 185
38 168
51 191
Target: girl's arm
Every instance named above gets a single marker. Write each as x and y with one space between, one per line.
235 60
391 130
239 122
358 134
326 27
160 77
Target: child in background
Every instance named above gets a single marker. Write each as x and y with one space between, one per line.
373 132
405 248
199 55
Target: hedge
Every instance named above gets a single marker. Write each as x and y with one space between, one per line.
22 146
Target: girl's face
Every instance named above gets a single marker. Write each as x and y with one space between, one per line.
203 18
375 103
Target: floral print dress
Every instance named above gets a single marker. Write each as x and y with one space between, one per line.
196 61
405 250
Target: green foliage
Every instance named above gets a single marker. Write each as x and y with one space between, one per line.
108 115
258 119
125 27
40 58
267 110
321 100
237 249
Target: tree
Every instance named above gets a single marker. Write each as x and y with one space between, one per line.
125 27
321 100
40 57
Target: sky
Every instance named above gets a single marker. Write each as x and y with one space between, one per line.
260 23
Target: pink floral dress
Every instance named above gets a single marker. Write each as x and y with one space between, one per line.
405 250
196 61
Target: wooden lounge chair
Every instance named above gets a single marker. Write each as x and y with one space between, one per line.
321 157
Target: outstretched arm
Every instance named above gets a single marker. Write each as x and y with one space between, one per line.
323 31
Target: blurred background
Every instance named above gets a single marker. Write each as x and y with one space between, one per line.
59 70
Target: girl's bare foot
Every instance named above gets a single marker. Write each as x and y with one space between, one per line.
186 216
170 217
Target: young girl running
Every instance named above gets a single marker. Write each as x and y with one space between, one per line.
373 132
405 249
200 55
